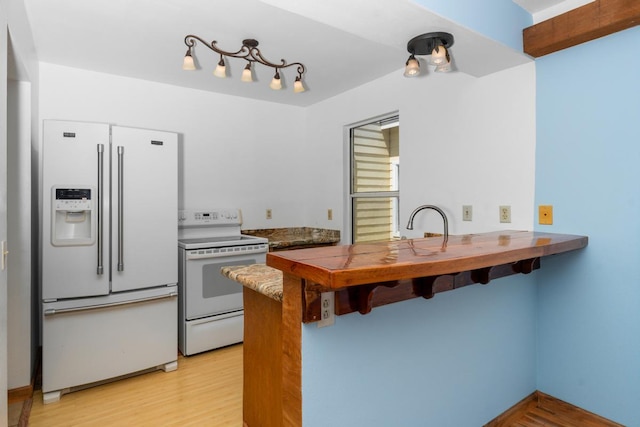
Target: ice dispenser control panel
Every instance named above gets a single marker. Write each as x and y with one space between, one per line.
73 199
73 217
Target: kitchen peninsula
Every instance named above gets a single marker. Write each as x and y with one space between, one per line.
284 294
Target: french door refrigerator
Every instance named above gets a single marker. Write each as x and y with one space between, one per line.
109 253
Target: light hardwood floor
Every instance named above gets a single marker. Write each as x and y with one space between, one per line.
205 390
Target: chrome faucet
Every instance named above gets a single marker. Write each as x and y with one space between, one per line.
435 208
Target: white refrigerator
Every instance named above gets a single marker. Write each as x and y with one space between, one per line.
109 253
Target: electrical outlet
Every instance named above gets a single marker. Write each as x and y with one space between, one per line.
330 214
545 214
467 212
268 213
327 309
505 213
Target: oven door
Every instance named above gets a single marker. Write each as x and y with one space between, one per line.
207 292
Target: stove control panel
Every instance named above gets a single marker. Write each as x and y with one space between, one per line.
209 217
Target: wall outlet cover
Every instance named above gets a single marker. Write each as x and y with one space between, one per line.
545 214
505 213
327 306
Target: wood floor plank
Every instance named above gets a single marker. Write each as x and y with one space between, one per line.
206 389
544 418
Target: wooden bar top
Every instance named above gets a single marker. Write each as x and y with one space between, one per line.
338 267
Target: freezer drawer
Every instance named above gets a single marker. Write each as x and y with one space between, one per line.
95 339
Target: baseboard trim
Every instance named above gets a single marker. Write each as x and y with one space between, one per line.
554 407
20 394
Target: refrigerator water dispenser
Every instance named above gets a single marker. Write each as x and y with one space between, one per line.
72 216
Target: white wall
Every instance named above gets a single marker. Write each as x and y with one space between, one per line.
234 152
258 155
462 141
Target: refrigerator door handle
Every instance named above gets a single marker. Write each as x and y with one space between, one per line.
120 208
100 270
52 311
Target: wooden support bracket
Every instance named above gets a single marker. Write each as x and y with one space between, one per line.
423 286
364 298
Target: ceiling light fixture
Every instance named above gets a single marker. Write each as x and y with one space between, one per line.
434 44
249 52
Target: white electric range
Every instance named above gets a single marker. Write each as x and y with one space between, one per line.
210 311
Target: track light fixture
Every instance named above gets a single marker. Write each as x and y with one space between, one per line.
249 52
434 44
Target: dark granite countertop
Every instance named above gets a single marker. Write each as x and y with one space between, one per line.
296 237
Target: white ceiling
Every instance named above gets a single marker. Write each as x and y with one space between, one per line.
342 43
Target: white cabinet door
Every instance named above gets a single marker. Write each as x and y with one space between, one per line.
144 208
71 153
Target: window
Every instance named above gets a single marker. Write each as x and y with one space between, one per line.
375 167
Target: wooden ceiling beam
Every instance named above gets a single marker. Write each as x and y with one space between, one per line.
591 21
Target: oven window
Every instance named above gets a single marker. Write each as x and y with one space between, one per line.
215 284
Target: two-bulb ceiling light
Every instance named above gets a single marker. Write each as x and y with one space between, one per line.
249 52
434 44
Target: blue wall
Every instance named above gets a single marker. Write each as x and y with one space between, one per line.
458 359
588 168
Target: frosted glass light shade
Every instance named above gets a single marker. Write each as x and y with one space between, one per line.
188 63
246 74
412 68
438 55
445 67
297 86
221 70
276 83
